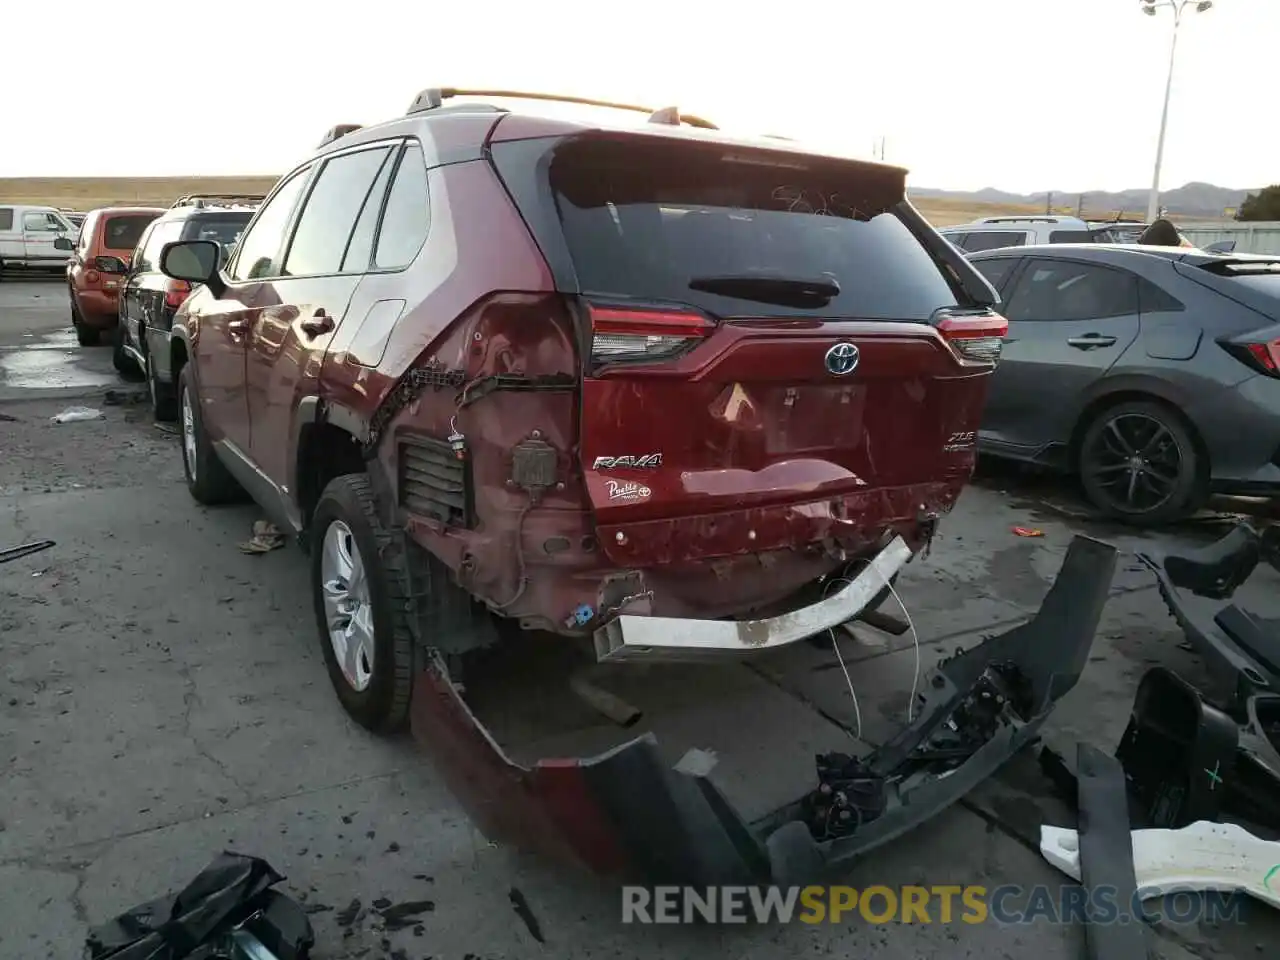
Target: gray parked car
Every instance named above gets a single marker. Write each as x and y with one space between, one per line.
1152 372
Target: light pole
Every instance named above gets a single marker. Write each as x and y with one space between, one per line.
1149 7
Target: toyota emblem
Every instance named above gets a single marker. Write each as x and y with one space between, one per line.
842 359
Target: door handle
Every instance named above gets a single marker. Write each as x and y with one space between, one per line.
320 323
1090 340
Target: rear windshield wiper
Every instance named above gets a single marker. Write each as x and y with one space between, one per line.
783 291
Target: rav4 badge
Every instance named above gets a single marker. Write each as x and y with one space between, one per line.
646 461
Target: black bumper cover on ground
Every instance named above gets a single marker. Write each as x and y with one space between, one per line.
627 813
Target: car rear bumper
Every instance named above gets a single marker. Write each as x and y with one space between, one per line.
633 638
626 813
100 309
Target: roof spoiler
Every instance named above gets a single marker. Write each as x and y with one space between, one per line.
433 98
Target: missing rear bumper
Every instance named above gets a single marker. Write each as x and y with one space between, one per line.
627 813
632 638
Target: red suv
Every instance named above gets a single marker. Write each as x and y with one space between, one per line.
676 394
99 260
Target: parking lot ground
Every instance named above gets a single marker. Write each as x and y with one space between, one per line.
164 697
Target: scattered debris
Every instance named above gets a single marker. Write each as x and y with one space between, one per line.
229 909
1105 852
8 418
348 914
1027 532
123 398
1222 857
525 913
77 414
266 537
26 549
401 915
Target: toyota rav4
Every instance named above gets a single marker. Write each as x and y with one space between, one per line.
673 393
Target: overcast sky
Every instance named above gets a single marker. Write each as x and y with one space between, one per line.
1020 94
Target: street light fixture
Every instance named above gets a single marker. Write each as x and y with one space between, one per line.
1150 7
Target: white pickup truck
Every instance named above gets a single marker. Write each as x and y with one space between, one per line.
27 236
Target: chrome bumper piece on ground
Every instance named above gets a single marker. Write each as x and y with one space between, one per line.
632 638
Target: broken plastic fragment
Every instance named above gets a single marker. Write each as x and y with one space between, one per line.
75 414
1027 532
1203 856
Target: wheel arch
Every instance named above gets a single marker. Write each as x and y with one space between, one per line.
1140 390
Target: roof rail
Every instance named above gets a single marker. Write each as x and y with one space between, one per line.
433 99
1024 219
336 133
217 200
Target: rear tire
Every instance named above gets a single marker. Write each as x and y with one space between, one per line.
358 573
1139 464
85 336
164 399
208 480
125 365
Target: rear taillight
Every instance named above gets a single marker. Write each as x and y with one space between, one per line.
1262 356
629 334
976 337
176 293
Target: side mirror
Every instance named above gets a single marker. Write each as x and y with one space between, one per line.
195 261
63 243
112 265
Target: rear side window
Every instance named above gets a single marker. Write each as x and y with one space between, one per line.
1063 290
148 259
408 215
665 222
6 218
123 233
995 270
1074 236
994 240
330 213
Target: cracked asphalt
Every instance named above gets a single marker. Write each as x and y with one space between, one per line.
163 697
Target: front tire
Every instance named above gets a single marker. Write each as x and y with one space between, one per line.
1139 464
208 480
358 576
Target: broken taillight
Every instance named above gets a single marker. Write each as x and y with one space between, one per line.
976 337
1260 356
628 334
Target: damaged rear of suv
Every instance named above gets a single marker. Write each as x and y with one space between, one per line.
666 393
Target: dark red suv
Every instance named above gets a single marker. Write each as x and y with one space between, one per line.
645 385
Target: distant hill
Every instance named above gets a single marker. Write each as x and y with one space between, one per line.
1203 200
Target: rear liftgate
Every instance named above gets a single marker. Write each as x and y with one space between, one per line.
626 814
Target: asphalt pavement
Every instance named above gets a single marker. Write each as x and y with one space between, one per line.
163 697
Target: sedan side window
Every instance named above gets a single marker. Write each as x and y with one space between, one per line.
1063 290
994 240
329 216
260 249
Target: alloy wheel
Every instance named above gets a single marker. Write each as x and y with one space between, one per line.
1135 462
188 434
348 605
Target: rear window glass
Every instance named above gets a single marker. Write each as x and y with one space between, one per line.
645 221
1265 282
124 232
223 231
